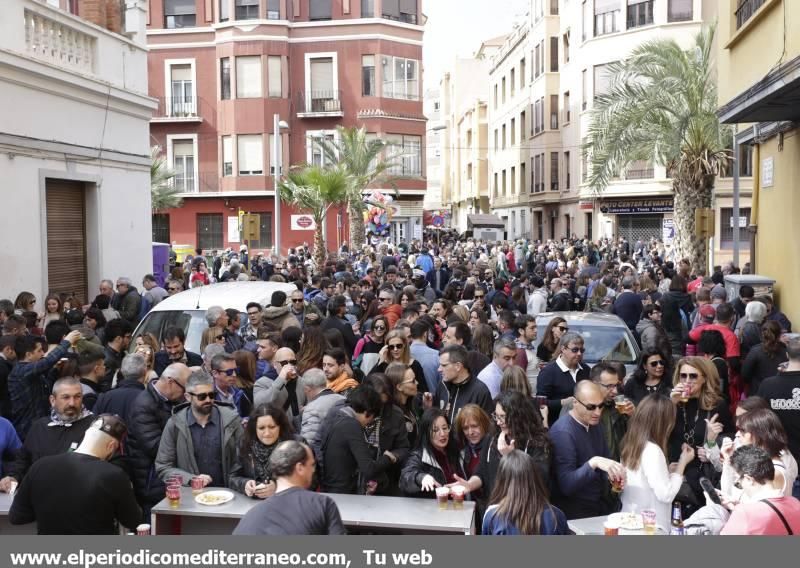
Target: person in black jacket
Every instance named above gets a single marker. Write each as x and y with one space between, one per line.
435 461
175 351
150 411
388 433
558 378
561 300
762 361
7 358
652 376
337 307
458 387
60 432
676 305
628 304
348 462
119 401
118 337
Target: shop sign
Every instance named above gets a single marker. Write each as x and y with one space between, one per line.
637 206
303 223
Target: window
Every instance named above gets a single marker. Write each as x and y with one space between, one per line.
640 169
224 14
316 155
367 8
584 162
504 183
640 13
495 184
400 10
411 149
183 165
554 171
273 9
251 154
567 180
584 90
246 9
521 72
368 75
274 78
521 126
538 173
319 9
513 180
681 10
746 9
322 94
567 113
606 17
746 160
504 137
248 77
209 231
495 97
227 156
567 225
589 222
161 228
400 78
586 13
602 80
553 11
513 81
179 14
554 55
495 139
537 69
181 91
264 232
225 78
523 178
513 130
553 112
522 222
504 90
726 222
533 174
538 116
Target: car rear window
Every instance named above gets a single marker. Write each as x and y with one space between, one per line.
192 322
604 343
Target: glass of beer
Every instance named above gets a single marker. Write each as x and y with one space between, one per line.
197 485
686 393
457 491
616 484
620 401
649 521
442 496
174 495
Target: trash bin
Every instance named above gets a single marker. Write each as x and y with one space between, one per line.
763 285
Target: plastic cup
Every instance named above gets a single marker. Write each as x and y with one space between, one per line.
173 479
174 495
442 496
649 521
620 401
616 485
143 530
197 485
611 528
458 496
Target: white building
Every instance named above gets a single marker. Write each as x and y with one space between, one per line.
432 108
74 148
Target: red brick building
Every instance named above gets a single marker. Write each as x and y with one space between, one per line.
222 69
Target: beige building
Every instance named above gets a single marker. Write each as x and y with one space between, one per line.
464 140
589 36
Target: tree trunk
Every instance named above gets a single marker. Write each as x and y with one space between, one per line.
690 196
357 235
319 248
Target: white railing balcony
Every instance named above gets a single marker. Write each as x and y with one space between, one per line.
58 43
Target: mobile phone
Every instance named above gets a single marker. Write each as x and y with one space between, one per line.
708 487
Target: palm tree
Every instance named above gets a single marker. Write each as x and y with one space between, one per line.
163 193
360 157
316 190
662 107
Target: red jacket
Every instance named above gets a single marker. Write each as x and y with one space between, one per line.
732 346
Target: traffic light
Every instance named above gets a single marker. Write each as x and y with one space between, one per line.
251 227
704 223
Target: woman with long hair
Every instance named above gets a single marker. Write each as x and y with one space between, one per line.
292 337
473 430
460 312
435 461
762 428
370 310
211 335
53 310
483 340
440 311
476 318
599 300
246 364
96 321
702 415
520 426
515 379
468 295
267 427
519 502
147 345
649 484
404 298
763 359
25 302
387 434
406 396
368 348
652 376
397 350
548 348
312 348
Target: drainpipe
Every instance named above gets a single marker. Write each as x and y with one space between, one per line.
736 164
753 228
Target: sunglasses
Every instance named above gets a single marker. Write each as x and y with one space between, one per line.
385 299
218 337
203 395
172 289
689 376
563 328
379 328
577 349
396 346
288 362
298 301
479 296
657 363
229 372
590 407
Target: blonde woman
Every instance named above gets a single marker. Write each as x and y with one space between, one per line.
397 350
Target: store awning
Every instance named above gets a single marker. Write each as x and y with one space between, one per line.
484 220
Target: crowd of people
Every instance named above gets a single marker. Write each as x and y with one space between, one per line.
399 370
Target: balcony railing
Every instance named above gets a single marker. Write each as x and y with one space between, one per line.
320 103
646 172
58 43
746 10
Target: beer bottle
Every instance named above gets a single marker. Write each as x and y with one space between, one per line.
677 520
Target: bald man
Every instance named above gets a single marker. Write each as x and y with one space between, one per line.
581 458
282 391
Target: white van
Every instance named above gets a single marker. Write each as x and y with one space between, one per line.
187 309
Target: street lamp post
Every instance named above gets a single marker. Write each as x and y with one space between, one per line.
277 165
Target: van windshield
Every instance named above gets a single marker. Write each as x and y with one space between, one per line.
192 322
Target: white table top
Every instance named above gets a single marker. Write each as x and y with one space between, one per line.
594 526
5 503
356 510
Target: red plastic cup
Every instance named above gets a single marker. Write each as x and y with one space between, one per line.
197 485
174 495
143 530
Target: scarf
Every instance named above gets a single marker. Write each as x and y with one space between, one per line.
342 383
56 420
260 455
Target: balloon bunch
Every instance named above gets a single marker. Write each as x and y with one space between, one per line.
378 213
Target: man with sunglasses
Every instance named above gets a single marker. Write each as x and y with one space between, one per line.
226 377
558 378
306 314
282 391
614 418
202 437
581 458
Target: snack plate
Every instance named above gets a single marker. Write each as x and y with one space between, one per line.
628 521
214 498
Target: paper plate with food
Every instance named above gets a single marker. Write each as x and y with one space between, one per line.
214 497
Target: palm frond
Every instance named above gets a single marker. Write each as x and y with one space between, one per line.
163 193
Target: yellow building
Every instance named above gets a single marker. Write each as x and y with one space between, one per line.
759 89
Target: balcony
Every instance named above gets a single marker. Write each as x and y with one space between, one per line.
746 10
174 109
59 43
640 170
319 104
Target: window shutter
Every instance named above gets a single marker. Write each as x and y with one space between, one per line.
274 76
181 72
227 149
322 76
251 158
183 148
248 76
